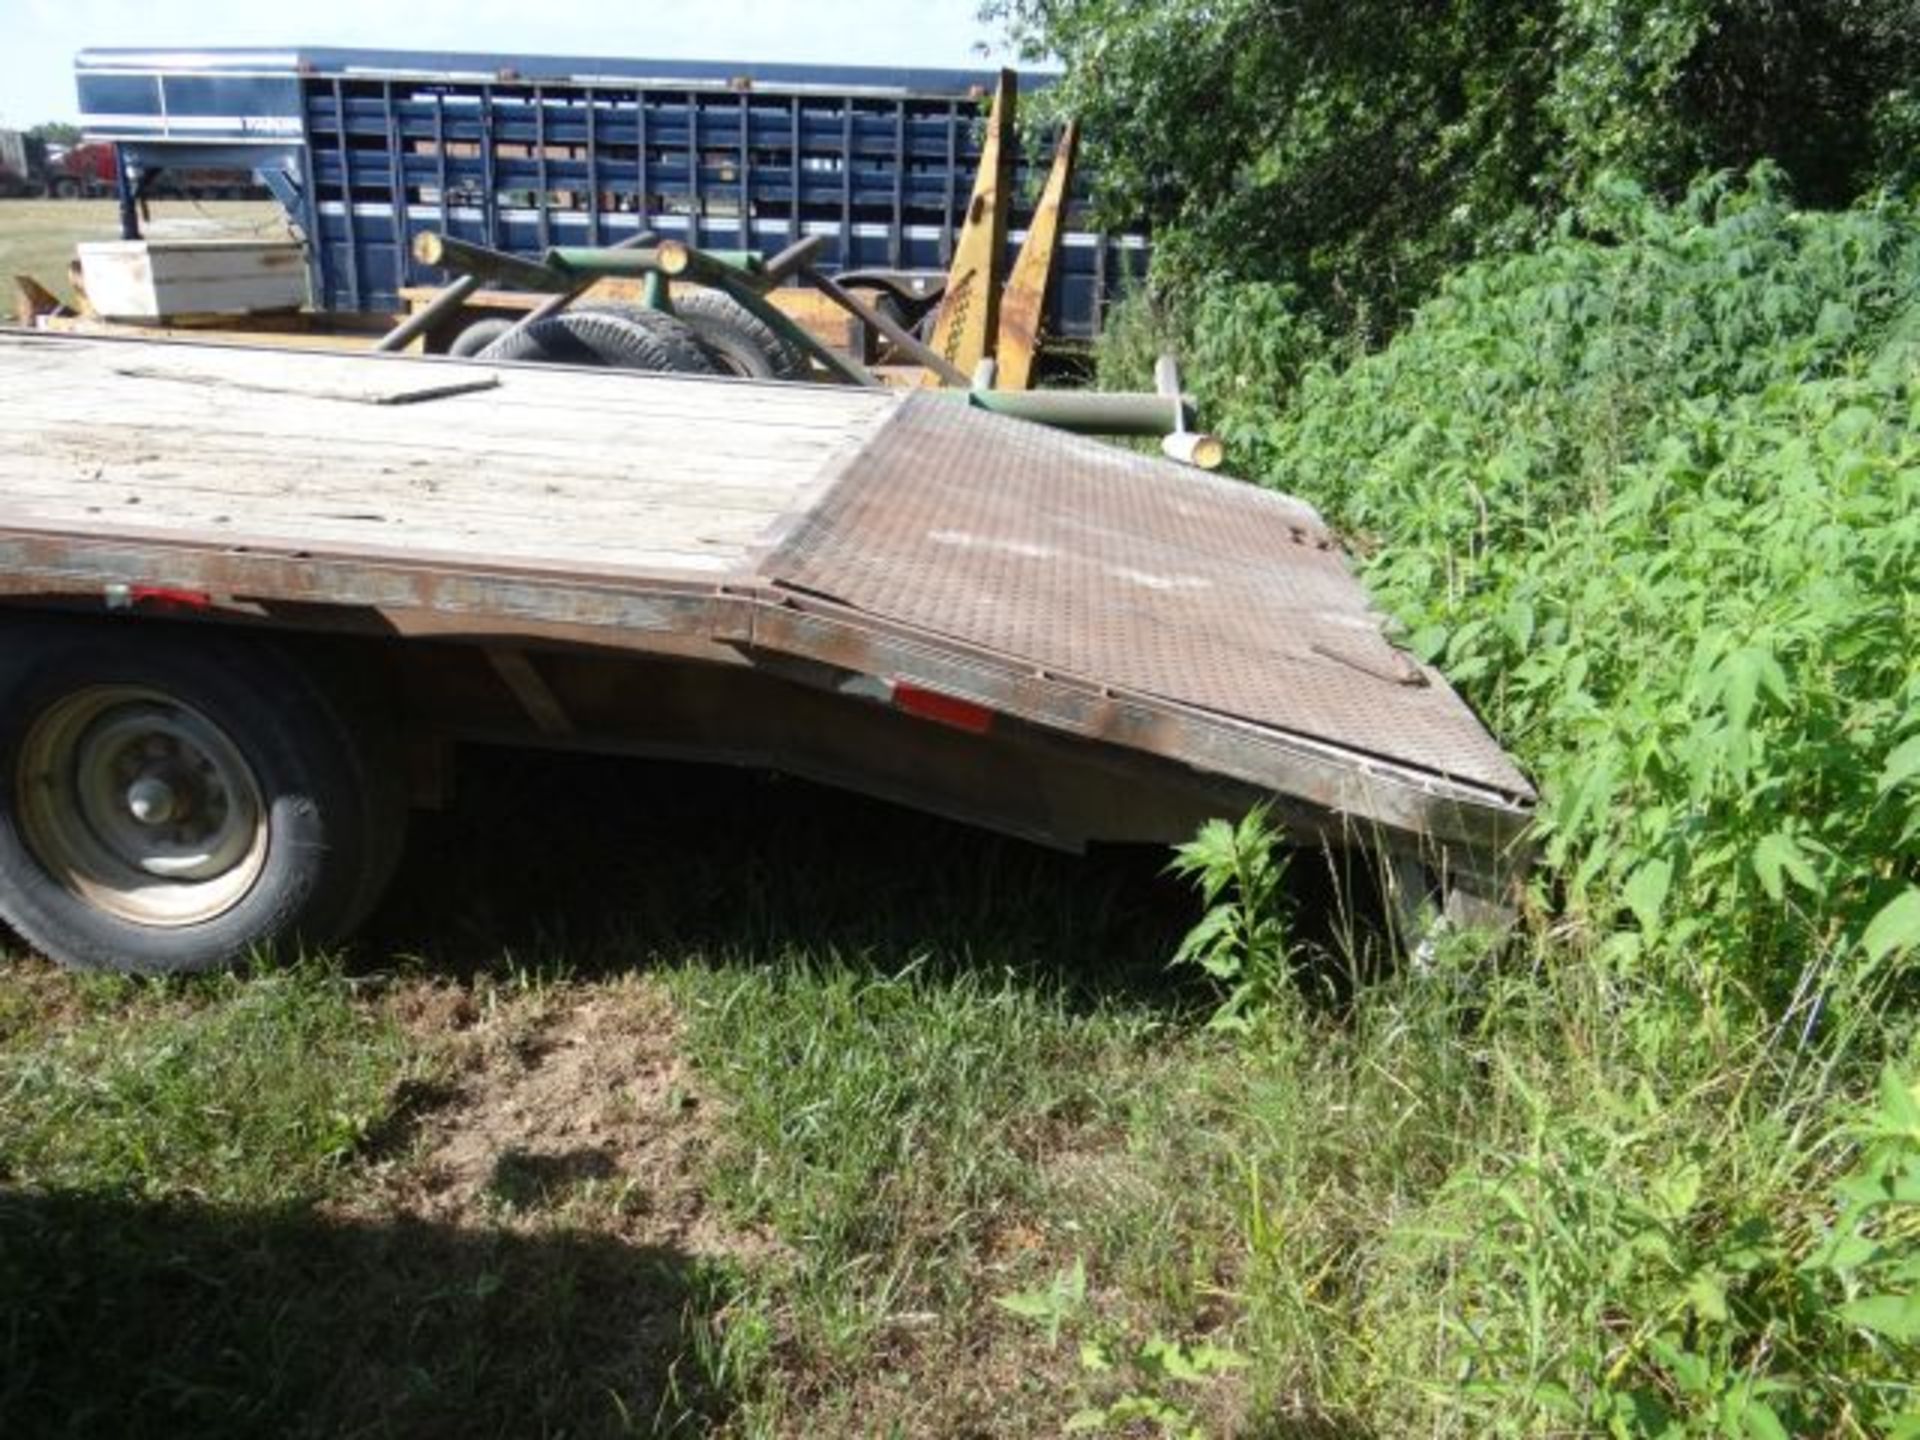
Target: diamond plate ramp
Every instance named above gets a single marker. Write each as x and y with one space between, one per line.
1129 572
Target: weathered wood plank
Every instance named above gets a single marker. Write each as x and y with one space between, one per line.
630 454
283 448
754 403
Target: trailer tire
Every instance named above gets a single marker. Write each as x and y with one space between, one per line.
473 341
172 801
66 187
740 342
626 340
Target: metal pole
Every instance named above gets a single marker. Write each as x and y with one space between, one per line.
1085 412
448 253
792 260
887 326
124 192
1203 452
429 315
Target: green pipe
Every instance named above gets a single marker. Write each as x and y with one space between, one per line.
560 269
739 273
448 253
582 262
1086 412
430 315
724 269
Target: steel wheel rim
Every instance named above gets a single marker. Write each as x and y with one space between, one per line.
141 806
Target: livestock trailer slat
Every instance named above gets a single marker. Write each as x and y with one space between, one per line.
367 148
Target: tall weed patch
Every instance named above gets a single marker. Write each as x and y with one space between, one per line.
1651 497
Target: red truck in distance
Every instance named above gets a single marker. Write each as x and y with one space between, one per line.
31 167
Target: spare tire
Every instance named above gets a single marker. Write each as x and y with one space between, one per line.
628 340
738 341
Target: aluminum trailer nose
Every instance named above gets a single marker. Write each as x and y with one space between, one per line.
885 590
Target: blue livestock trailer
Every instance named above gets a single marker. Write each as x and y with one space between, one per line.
367 148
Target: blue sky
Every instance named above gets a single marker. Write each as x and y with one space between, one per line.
38 38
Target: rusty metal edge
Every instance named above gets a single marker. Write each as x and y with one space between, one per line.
584 604
651 613
1332 777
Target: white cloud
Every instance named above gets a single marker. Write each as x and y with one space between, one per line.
38 38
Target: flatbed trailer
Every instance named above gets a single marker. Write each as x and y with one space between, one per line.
250 599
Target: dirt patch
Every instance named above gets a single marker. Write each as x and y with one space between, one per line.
570 1105
36 998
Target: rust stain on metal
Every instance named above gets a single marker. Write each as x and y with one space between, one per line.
1023 306
1100 564
1351 788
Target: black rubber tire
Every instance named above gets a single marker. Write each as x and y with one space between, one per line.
740 342
325 761
680 333
66 187
474 340
634 339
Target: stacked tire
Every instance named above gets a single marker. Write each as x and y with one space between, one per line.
634 339
707 333
737 341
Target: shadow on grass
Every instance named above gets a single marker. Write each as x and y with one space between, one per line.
597 865
132 1319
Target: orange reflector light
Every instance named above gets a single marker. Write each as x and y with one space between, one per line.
942 709
160 597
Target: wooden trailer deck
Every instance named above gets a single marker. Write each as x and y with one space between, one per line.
320 451
889 547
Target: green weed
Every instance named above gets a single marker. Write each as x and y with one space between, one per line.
1520 1200
1242 940
1650 496
1141 1380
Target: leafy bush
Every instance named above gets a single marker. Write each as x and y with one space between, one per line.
1651 497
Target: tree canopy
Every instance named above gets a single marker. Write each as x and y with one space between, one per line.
55 132
1359 148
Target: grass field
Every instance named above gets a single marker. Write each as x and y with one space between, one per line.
37 236
660 1101
657 1101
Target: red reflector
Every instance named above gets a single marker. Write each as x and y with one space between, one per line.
159 597
942 709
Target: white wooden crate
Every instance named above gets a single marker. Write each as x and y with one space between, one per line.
160 279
